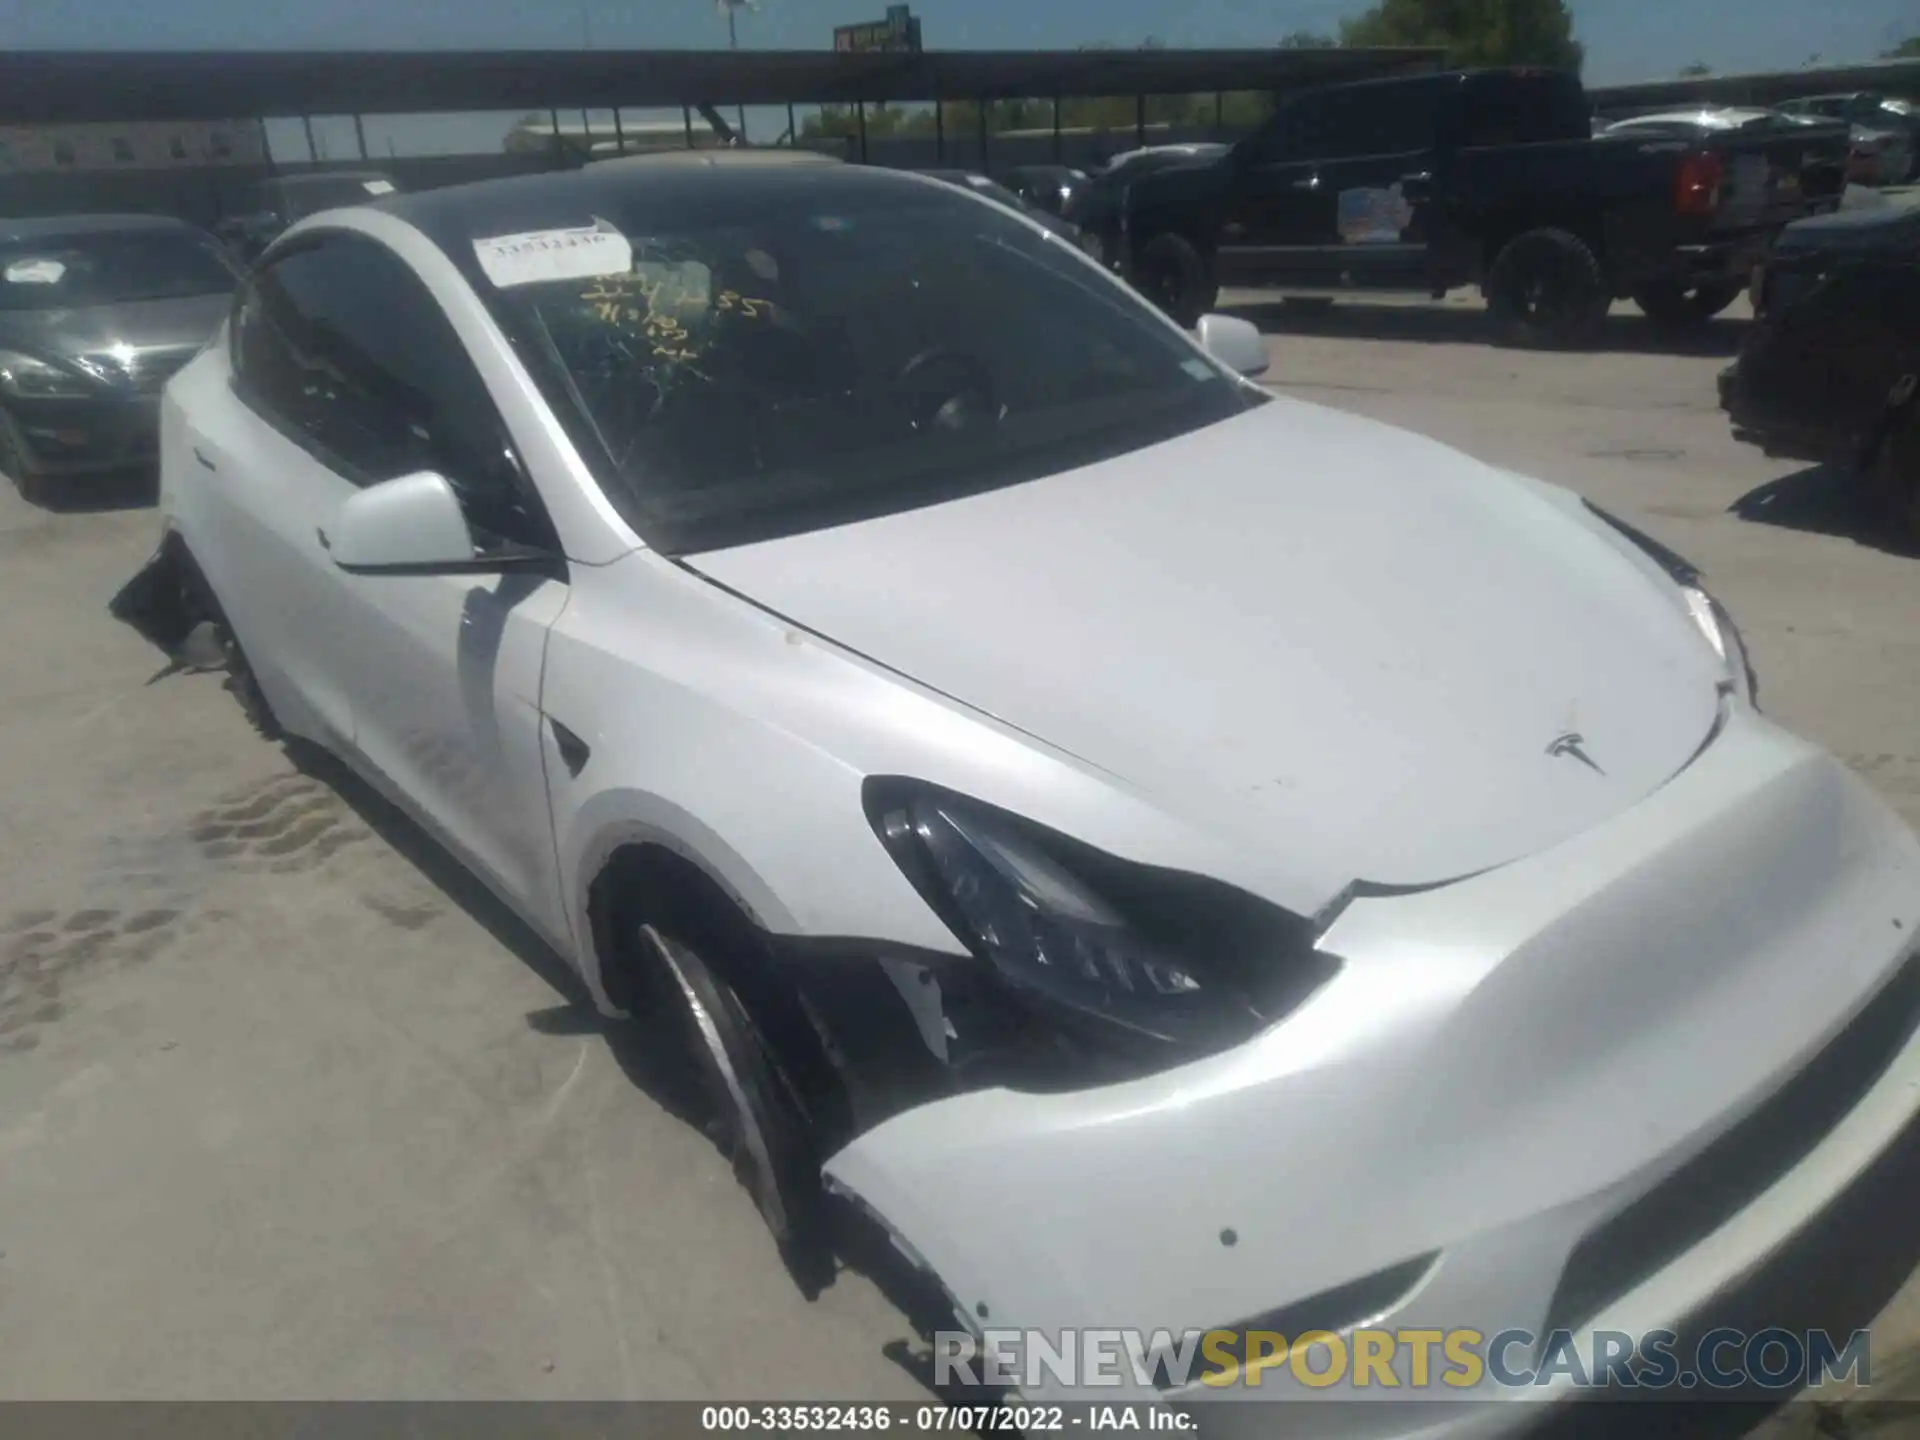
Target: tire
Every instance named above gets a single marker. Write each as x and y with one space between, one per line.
32 486
1545 289
757 1120
1895 476
1177 278
1673 306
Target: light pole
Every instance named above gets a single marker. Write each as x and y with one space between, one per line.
732 7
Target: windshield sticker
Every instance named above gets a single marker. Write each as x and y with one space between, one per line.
1374 217
542 256
379 187
35 272
1199 369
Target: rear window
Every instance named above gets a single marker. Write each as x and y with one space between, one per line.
1525 108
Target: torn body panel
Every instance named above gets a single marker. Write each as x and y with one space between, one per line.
162 602
1681 963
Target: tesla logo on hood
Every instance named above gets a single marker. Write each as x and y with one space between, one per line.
1572 745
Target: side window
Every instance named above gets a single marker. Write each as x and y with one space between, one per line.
341 344
1295 131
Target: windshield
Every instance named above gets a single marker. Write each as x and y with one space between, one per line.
108 268
805 356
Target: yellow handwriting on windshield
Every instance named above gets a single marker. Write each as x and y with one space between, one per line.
655 306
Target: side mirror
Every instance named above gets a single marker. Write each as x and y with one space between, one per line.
1235 343
413 525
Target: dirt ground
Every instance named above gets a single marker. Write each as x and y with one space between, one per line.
289 1110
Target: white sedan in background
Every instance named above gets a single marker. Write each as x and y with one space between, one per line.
1173 856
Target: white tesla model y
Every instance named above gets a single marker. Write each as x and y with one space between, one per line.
1174 856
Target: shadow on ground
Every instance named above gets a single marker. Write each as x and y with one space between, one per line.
1463 325
137 489
1825 500
653 1051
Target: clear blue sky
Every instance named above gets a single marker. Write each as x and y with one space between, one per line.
1625 39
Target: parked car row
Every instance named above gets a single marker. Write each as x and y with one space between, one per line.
1427 183
1828 370
1040 808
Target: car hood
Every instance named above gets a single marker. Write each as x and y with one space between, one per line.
1889 228
170 326
1346 647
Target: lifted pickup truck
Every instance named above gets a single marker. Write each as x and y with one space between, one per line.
1430 182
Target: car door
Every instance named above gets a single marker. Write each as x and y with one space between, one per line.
444 670
1839 351
1278 216
249 431
1376 163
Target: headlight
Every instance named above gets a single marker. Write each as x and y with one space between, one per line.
1708 613
1200 973
26 378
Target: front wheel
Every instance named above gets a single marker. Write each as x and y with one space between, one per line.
1176 277
1674 306
1545 288
755 1114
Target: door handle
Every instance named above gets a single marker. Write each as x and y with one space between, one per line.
321 536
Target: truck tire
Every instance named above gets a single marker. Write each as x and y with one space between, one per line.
1546 289
1674 306
1176 277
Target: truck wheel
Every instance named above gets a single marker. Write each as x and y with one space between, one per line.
1545 288
1674 306
1176 277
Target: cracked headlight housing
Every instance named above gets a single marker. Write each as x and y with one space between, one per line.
1111 950
1707 613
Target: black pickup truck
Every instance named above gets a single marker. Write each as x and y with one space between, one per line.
1426 183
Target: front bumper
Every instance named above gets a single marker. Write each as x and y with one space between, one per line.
80 437
1505 1067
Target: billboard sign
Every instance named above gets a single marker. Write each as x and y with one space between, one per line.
899 32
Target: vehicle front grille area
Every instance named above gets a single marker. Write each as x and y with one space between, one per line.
1716 1184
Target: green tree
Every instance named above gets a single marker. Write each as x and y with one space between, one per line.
1907 49
1306 40
1473 32
1697 68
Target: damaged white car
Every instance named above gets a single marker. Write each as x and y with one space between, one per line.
1176 857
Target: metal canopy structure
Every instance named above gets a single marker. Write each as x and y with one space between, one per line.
1893 77
69 86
